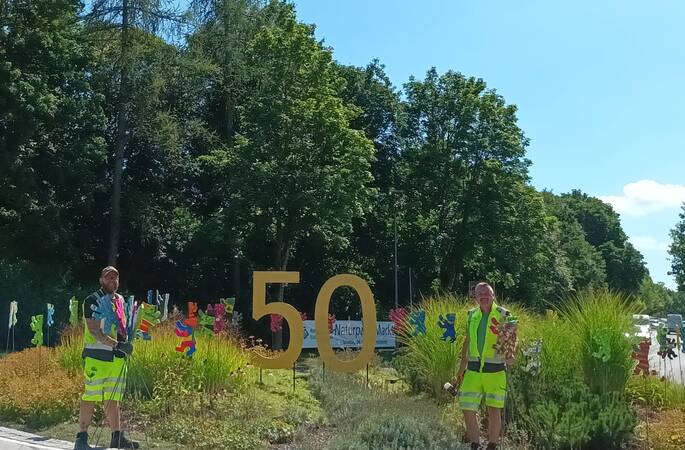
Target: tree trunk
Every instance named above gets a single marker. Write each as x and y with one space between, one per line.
122 141
282 255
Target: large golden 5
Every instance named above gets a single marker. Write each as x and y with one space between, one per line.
260 309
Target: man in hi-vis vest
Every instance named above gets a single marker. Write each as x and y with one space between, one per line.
104 358
482 373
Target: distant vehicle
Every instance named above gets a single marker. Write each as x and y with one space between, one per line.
673 320
642 326
654 323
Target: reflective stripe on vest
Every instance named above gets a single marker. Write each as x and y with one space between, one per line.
489 354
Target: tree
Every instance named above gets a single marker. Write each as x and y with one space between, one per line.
677 251
52 157
464 154
297 168
624 265
50 124
128 17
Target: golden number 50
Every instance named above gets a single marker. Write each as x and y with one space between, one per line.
286 359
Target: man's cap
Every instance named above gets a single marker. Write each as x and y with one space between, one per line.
107 270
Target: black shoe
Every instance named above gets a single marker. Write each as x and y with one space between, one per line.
120 441
491 446
82 441
475 446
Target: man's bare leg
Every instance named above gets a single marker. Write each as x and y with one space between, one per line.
471 421
112 413
494 424
85 415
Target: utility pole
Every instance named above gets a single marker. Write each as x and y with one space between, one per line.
396 286
411 291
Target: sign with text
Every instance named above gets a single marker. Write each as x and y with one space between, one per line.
348 334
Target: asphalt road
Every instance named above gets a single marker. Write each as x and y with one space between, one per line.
673 369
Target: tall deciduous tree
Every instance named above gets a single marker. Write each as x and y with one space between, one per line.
127 17
677 252
297 168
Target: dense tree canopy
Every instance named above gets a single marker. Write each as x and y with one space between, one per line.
234 142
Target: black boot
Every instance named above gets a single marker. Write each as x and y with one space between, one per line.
82 441
120 441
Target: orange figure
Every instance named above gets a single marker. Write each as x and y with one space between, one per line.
642 357
191 320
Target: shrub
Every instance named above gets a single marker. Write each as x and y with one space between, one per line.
600 321
577 418
35 390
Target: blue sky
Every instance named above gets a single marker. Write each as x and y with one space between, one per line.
600 87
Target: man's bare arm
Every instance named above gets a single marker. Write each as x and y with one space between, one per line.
94 328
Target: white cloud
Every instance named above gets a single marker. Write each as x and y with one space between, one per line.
648 243
646 197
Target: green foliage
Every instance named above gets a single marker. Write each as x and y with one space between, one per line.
655 393
426 360
391 431
677 251
215 365
600 321
370 417
576 418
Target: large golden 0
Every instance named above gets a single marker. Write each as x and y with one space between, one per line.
286 359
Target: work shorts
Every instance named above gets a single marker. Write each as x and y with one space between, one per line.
480 385
105 380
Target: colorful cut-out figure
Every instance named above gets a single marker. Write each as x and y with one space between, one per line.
149 317
73 311
191 320
447 324
417 320
37 327
398 316
187 345
642 357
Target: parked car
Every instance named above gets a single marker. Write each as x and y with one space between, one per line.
672 321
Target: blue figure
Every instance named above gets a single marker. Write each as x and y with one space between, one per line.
418 320
448 325
150 296
104 311
51 312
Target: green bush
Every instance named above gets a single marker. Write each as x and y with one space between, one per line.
600 321
577 418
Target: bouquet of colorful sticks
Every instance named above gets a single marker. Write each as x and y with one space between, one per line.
506 336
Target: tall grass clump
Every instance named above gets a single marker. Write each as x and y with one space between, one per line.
35 390
432 359
601 321
216 360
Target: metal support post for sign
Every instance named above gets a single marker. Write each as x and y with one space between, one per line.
260 376
367 374
323 372
293 377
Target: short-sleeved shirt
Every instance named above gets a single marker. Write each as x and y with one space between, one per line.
482 331
92 300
